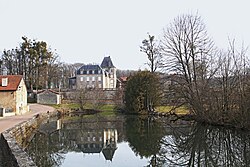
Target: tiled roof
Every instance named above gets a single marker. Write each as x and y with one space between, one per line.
107 63
123 79
13 82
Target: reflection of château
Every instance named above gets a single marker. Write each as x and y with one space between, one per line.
96 142
110 143
88 136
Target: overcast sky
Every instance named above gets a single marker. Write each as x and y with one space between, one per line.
86 30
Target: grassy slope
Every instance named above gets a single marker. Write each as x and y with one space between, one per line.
180 110
106 109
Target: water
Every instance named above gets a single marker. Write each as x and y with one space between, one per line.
136 142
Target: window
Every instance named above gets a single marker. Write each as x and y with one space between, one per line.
81 72
87 79
81 79
9 110
99 79
87 72
100 85
93 78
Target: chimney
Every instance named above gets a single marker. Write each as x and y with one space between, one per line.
4 81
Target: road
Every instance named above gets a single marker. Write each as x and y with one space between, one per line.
9 122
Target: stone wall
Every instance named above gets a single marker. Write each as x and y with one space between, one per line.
8 100
17 157
14 141
95 96
7 159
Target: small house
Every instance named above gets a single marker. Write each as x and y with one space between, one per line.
48 97
13 95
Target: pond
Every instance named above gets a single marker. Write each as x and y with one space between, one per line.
133 141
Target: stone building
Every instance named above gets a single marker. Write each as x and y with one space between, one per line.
13 95
48 97
95 76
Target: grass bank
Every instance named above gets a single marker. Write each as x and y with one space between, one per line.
106 110
179 110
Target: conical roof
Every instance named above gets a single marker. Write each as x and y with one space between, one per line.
107 63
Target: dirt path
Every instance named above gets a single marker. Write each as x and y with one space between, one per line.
9 122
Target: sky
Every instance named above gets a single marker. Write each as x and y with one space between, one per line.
84 31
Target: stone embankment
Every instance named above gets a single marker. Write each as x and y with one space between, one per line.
7 159
19 132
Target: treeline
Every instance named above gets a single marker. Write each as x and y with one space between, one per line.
39 65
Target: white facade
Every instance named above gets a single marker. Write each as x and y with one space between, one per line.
95 76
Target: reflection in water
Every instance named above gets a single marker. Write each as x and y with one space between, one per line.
155 142
207 146
87 135
144 137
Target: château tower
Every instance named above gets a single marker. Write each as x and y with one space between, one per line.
110 69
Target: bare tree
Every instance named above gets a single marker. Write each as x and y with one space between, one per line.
188 52
233 79
151 49
81 98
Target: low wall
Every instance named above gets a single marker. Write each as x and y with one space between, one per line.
14 141
7 159
94 96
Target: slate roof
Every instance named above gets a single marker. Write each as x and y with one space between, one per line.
108 153
13 82
96 149
94 68
48 90
107 63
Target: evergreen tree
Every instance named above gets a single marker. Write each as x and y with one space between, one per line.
143 92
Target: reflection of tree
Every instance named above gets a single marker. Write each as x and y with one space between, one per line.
144 137
45 151
207 146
